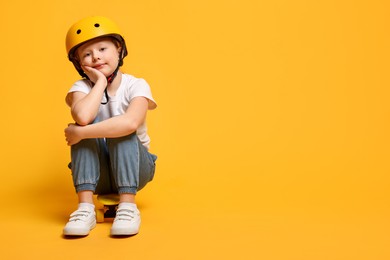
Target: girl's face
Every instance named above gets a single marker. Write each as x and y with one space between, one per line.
101 54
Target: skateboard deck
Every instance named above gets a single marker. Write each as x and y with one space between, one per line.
110 203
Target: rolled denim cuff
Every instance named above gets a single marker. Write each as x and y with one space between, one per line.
85 186
132 190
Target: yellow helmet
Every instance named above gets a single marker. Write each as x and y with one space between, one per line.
90 28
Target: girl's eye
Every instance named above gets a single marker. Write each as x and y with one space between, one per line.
103 49
86 55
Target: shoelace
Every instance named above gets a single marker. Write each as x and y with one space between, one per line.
80 214
125 214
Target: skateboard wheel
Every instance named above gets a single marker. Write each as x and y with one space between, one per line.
99 215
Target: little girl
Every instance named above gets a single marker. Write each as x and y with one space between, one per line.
109 140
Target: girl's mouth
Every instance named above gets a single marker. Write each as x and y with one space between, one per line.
99 66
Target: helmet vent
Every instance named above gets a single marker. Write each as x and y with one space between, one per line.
97 25
78 31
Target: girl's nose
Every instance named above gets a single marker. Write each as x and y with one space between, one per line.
95 56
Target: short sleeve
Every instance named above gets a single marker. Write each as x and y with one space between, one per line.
142 89
81 86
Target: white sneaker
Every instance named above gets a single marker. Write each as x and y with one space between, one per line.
126 222
81 222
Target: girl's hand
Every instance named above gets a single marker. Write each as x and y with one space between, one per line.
72 134
94 75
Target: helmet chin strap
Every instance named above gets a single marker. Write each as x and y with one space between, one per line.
110 79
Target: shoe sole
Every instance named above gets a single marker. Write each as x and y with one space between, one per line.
78 232
122 233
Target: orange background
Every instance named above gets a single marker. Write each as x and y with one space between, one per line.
271 131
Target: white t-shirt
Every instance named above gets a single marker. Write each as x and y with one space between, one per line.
130 87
